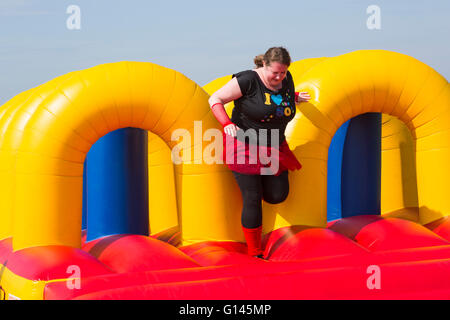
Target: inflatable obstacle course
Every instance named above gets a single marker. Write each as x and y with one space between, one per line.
75 226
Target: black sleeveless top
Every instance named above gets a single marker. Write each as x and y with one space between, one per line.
261 108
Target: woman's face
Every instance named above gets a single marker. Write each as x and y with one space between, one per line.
275 73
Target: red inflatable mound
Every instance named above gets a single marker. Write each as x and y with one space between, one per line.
441 227
299 242
365 257
377 234
132 253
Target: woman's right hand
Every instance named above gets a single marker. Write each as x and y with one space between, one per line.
302 97
231 129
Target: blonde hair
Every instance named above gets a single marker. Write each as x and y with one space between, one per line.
274 54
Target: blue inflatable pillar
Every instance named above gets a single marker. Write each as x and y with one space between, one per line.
361 166
84 215
334 176
354 168
117 184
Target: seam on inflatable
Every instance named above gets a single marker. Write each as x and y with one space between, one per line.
83 81
416 94
186 107
443 90
147 109
172 91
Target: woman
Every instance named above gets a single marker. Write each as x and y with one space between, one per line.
264 101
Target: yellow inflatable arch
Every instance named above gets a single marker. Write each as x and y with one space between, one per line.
48 130
61 120
370 81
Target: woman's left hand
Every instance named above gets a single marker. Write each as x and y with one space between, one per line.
302 97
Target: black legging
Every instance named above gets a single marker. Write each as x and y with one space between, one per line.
273 189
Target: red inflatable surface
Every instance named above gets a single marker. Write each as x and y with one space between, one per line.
364 257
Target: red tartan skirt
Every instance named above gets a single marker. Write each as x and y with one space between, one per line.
252 159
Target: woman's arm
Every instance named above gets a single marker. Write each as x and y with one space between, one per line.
229 92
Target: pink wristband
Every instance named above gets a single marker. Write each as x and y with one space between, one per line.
219 112
227 124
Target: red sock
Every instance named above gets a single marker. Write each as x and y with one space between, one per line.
253 239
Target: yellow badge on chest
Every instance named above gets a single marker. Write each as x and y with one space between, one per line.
267 99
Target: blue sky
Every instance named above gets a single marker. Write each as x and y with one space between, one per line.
207 39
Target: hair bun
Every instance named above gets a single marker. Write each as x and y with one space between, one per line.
259 61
